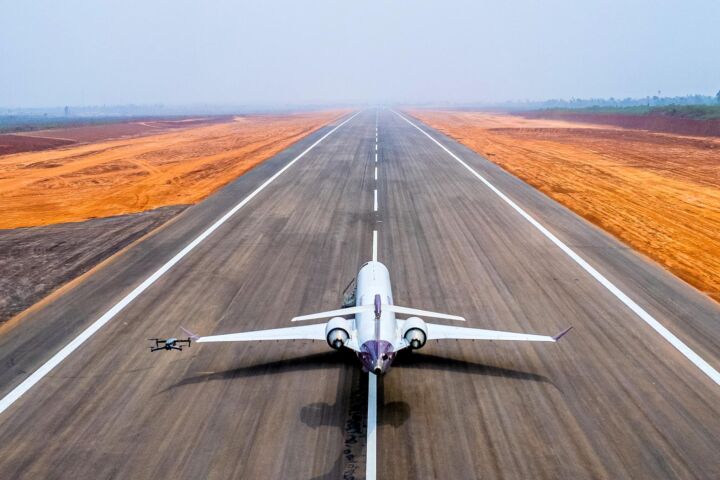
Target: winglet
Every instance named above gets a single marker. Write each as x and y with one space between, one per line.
191 335
562 334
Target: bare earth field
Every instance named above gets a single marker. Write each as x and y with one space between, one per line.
94 133
46 139
657 192
14 143
65 210
131 175
34 261
653 123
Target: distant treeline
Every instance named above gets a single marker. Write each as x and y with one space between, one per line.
654 101
26 123
588 103
89 111
157 110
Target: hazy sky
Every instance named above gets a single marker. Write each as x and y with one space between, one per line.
228 52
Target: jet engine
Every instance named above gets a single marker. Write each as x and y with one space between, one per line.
337 332
415 332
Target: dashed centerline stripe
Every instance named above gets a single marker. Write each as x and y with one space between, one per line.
371 455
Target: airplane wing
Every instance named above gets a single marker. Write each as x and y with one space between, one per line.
305 332
443 332
335 313
421 313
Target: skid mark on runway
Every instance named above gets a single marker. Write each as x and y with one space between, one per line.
355 431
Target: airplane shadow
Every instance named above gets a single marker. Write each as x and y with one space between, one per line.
319 414
434 362
405 359
304 363
323 414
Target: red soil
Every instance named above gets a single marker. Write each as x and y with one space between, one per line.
12 143
128 175
96 133
654 123
659 193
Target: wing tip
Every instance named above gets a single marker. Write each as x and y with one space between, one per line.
562 334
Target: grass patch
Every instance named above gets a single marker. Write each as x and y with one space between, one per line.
697 112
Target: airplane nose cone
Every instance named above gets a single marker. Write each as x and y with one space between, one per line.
376 356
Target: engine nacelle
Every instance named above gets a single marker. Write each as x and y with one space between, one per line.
415 332
337 332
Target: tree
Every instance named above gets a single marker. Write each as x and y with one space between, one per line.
717 97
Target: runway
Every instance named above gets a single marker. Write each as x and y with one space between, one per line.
613 399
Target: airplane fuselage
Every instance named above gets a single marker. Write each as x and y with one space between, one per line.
377 331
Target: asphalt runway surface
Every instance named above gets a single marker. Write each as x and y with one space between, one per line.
613 399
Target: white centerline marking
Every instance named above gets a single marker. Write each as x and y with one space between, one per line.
55 360
371 463
371 447
637 309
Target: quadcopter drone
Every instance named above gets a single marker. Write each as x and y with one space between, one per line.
168 343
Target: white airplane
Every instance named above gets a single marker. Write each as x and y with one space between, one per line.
370 328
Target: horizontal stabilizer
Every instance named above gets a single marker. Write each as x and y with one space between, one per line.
421 313
305 332
335 313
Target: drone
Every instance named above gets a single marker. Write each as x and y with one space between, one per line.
168 343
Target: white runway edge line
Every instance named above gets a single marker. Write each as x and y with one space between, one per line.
637 309
371 461
55 360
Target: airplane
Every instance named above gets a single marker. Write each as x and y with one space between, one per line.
370 328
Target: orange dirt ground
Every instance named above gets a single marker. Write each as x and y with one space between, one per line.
131 175
658 193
